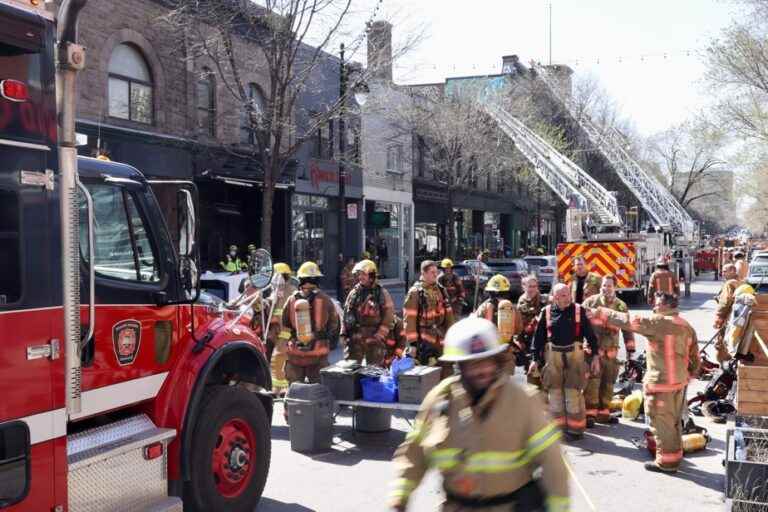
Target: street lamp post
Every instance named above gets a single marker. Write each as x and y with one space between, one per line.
360 90
342 174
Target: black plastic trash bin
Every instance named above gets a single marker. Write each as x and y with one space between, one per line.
310 417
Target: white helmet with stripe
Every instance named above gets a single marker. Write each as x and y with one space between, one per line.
471 338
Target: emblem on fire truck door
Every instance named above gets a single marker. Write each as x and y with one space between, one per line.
126 336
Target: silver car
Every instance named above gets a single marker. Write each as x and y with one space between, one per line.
545 267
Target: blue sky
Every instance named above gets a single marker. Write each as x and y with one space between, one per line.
643 52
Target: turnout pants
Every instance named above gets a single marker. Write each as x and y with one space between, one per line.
563 379
278 359
599 391
374 353
310 373
664 410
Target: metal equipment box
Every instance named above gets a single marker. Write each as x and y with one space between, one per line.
343 379
414 384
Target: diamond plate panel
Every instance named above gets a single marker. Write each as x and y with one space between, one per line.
119 479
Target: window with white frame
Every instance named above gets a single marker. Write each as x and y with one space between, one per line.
395 158
130 85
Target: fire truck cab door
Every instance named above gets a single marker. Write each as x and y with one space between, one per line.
136 274
32 414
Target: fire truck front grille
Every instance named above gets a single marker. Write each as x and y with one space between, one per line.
108 469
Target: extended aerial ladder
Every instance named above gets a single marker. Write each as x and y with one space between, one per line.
565 178
663 208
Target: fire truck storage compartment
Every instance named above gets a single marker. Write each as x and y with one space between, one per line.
120 466
310 417
10 258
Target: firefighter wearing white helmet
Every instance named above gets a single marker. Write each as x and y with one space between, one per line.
662 281
452 286
369 315
310 316
504 315
484 464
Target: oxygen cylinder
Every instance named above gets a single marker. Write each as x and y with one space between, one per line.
631 407
303 321
694 442
505 319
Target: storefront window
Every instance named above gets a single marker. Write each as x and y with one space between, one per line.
492 232
384 232
309 228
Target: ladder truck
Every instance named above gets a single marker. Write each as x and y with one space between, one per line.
594 227
665 211
121 391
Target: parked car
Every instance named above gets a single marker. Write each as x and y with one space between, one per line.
759 256
468 279
512 269
545 267
758 276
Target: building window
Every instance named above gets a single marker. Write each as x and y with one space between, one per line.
420 149
206 103
323 147
395 158
249 125
130 85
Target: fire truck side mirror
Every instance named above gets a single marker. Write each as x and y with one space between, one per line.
261 269
187 237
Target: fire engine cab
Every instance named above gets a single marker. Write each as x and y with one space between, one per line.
120 390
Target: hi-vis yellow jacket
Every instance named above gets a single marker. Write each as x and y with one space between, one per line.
482 451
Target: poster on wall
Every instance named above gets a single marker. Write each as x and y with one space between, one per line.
352 211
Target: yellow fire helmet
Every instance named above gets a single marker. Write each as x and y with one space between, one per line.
471 338
309 269
446 263
282 268
366 266
744 289
497 283
251 247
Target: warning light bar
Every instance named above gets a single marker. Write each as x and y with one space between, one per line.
14 90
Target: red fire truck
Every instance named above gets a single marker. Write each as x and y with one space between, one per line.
120 390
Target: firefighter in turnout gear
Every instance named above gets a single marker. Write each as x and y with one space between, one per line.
283 286
559 351
724 306
504 316
662 280
742 267
311 317
369 315
530 304
599 391
452 286
231 262
583 283
484 434
672 359
427 315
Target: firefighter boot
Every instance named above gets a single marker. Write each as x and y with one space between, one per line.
664 411
609 371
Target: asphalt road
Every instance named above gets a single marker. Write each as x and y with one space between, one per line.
607 469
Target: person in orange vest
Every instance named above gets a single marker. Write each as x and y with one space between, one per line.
369 315
560 352
725 300
662 280
484 435
583 283
427 315
672 359
529 305
310 316
599 391
504 315
452 286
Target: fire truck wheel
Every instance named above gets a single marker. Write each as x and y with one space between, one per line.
230 452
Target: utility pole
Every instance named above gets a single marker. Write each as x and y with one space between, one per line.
342 173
